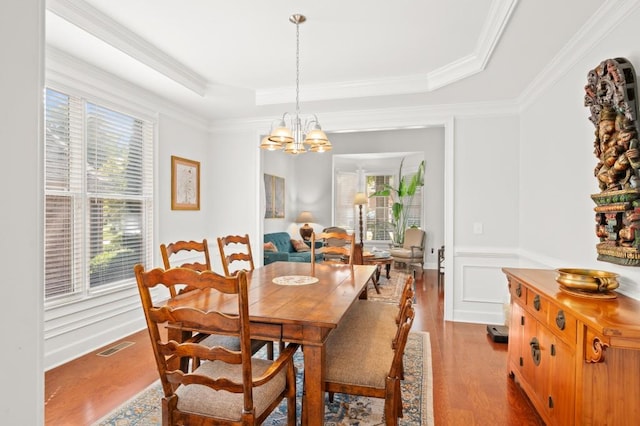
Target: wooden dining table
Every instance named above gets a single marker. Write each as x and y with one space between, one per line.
295 311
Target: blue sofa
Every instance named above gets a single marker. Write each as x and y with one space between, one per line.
286 252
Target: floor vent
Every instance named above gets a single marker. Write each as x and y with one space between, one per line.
112 350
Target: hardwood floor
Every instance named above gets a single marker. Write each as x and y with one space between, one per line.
470 381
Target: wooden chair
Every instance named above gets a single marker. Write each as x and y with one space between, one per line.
178 248
332 249
228 387
241 253
172 249
375 372
379 319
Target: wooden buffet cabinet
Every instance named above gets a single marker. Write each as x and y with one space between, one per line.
576 358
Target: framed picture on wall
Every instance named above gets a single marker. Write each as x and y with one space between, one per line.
274 191
185 184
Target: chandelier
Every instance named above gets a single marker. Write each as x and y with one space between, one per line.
289 133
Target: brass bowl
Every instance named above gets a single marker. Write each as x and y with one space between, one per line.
587 280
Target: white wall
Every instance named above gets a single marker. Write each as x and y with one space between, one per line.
557 221
236 207
21 49
486 197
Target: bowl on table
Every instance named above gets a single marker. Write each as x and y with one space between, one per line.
587 282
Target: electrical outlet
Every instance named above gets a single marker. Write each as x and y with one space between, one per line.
477 228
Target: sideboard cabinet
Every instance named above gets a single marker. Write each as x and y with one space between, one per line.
577 358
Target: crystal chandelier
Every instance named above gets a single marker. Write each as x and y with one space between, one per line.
289 133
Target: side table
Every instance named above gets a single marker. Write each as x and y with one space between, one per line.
369 259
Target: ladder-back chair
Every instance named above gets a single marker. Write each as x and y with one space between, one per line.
337 247
179 249
228 387
235 249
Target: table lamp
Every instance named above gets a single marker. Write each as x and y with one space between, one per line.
360 200
305 230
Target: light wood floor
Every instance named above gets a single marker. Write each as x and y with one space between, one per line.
471 385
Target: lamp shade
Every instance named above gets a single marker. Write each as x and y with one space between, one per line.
304 217
361 198
281 134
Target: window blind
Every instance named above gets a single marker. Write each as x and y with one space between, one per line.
346 188
98 195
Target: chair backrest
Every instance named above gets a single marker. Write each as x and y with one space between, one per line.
177 249
241 252
178 384
400 341
340 251
414 237
407 294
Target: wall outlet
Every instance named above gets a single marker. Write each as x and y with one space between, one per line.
477 228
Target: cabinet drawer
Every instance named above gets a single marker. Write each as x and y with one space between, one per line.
563 324
537 305
518 291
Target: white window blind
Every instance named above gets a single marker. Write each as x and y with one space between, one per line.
98 196
346 188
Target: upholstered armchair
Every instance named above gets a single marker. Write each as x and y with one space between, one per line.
412 251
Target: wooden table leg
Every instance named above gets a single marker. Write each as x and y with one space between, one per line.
375 278
313 396
388 268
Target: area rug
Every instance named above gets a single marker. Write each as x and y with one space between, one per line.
390 289
417 398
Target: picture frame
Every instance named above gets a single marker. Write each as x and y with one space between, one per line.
274 192
185 184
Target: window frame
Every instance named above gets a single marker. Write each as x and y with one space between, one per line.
147 198
392 175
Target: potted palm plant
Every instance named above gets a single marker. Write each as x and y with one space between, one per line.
401 196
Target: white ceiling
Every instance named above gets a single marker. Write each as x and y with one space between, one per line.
230 59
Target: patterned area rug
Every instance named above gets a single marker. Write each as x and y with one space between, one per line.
390 289
417 396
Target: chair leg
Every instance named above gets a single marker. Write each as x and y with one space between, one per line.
270 351
291 396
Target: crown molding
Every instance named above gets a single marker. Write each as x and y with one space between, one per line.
91 20
499 14
383 119
68 70
602 23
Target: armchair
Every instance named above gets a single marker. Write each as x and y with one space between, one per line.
412 251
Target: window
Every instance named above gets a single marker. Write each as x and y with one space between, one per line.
98 196
380 210
377 214
346 184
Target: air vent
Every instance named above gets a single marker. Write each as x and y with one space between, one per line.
117 348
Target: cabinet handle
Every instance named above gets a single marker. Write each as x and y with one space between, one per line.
519 290
553 350
535 350
536 302
560 320
550 402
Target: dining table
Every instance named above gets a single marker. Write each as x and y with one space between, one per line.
293 302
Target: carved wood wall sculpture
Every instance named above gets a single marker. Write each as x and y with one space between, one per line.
611 97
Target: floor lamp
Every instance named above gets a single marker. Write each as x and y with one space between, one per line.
360 200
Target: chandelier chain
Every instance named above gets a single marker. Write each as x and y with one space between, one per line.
294 135
297 69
